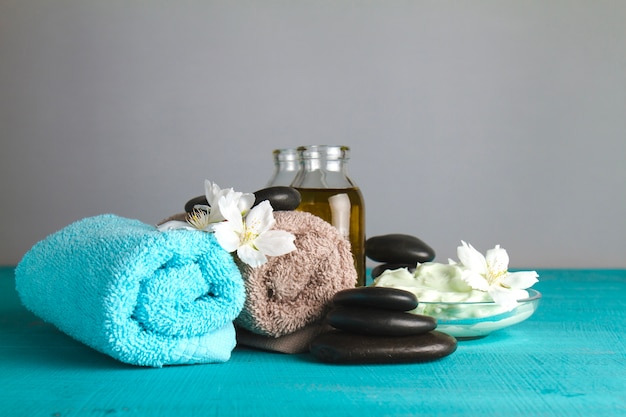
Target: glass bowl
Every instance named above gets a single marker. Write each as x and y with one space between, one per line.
471 320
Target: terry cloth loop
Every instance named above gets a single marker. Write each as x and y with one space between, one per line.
142 296
294 290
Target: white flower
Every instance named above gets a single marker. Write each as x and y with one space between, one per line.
213 193
237 226
205 217
200 219
490 273
251 236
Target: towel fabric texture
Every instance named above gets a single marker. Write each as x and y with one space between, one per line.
293 291
142 296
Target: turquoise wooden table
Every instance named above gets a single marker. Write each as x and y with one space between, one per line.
569 359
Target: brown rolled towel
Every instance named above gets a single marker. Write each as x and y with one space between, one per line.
293 291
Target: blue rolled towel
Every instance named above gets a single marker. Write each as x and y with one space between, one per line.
142 296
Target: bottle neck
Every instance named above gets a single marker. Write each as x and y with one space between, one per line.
323 167
310 165
286 166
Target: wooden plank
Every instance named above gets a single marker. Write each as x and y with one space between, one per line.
569 359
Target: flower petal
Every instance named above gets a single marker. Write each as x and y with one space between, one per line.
475 280
260 218
212 192
471 258
275 242
520 280
246 201
519 294
174 225
228 208
497 260
251 256
226 236
503 296
214 215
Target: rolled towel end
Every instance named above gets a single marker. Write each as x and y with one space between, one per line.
142 296
292 291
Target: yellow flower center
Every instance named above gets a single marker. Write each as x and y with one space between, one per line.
248 236
198 219
494 275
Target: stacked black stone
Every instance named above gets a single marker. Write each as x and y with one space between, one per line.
373 325
397 251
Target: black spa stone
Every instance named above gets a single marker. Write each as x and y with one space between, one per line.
377 297
374 322
398 248
200 200
379 269
280 197
347 348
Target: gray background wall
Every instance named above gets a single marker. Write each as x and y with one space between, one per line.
496 122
